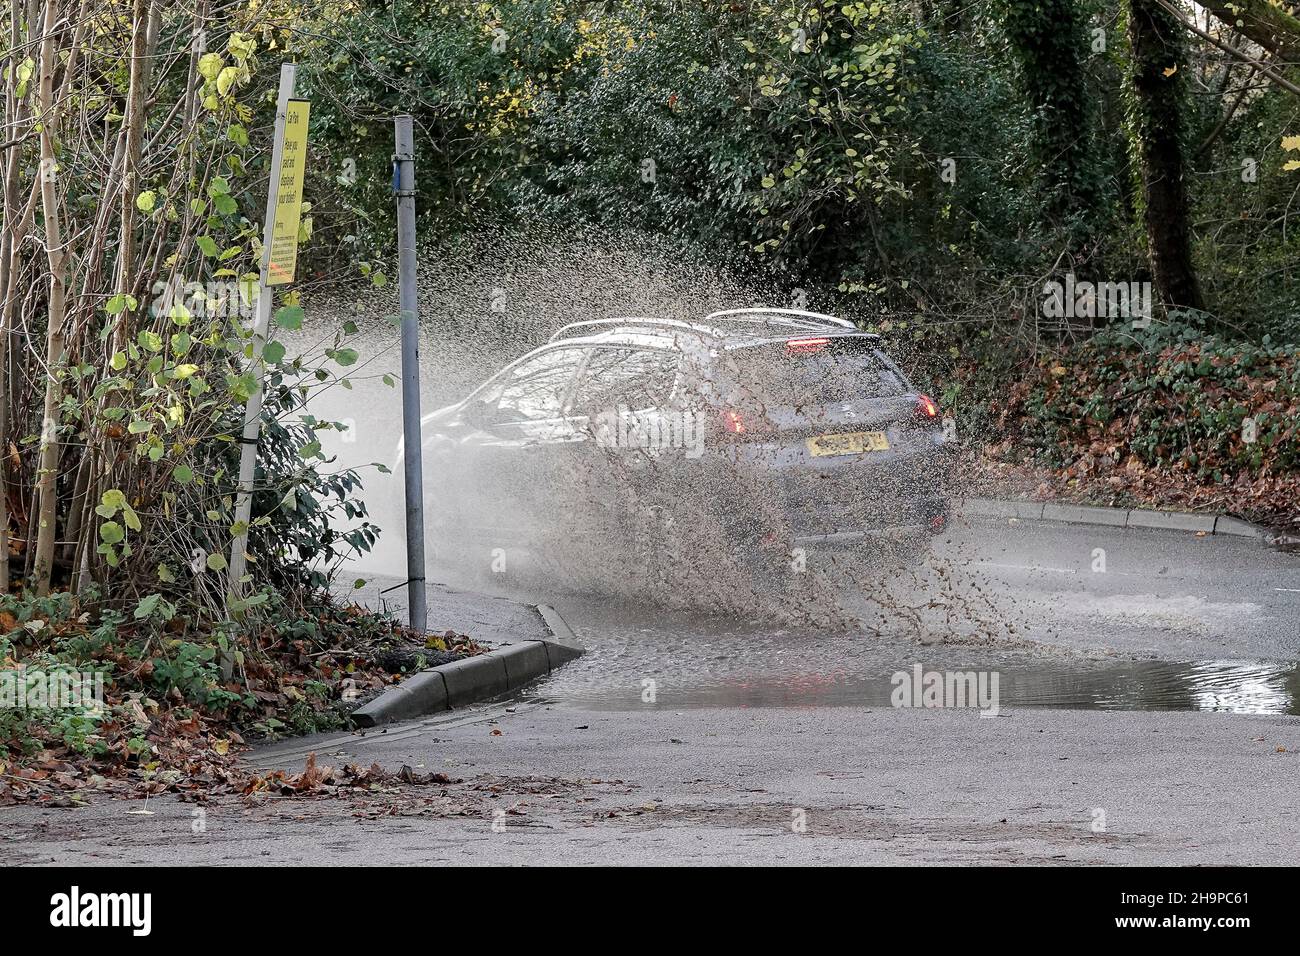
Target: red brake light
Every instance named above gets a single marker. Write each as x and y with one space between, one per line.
926 406
733 422
804 346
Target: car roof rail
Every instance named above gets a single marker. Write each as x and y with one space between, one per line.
636 321
795 317
719 325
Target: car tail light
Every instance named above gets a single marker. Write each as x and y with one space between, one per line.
926 407
804 346
733 422
739 426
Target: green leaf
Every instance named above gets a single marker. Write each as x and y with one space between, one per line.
210 65
183 474
226 79
110 532
273 353
146 606
112 499
165 574
131 519
184 371
207 245
290 317
115 304
345 357
216 562
145 201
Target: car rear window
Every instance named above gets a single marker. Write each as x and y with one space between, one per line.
814 371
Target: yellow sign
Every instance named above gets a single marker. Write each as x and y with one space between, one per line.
288 203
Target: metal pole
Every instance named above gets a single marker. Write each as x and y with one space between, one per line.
413 470
262 322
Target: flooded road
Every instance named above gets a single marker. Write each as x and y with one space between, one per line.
1175 623
708 676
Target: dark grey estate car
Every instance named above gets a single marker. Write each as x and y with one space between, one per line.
783 427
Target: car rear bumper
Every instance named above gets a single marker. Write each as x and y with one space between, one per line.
907 495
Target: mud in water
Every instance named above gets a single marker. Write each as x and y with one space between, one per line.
629 522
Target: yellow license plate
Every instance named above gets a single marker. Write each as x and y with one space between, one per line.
849 443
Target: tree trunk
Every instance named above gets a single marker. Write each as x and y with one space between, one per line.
1271 27
136 94
1049 41
1156 80
7 263
47 472
4 402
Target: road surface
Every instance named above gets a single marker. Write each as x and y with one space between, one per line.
1146 717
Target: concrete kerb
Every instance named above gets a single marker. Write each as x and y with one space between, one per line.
483 677
1123 518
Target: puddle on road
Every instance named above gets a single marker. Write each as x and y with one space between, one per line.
1239 687
687 661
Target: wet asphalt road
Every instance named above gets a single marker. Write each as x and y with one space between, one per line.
1099 617
1144 719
